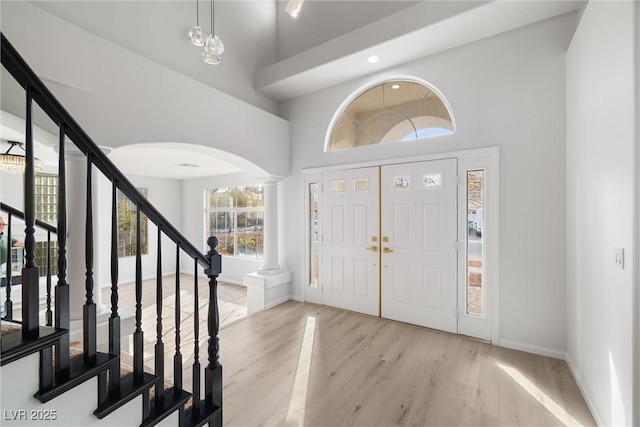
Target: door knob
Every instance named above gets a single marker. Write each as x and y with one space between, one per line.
373 248
387 250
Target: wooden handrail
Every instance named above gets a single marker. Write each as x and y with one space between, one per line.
23 74
19 214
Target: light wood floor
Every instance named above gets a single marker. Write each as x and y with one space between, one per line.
303 364
232 305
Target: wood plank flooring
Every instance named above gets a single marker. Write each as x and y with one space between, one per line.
304 364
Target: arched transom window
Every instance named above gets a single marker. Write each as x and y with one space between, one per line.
393 111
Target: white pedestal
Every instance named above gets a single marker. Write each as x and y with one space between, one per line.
267 290
127 328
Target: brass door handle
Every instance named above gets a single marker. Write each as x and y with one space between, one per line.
373 248
387 250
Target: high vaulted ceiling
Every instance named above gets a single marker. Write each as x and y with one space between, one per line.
271 56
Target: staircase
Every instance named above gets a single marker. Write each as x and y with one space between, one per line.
46 378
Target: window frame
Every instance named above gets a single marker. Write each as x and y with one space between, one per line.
342 109
235 211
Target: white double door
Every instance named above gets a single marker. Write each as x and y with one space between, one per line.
389 242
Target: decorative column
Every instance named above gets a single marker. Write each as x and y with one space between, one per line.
76 221
270 261
270 285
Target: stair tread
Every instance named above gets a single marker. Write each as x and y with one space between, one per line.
15 346
130 388
80 370
172 400
206 412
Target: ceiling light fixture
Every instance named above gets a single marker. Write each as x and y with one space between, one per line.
196 35
373 59
294 6
16 163
395 87
213 46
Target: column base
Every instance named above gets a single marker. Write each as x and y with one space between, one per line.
270 271
265 291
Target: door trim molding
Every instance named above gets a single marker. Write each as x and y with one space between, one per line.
480 157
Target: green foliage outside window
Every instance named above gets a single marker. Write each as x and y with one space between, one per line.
235 215
127 226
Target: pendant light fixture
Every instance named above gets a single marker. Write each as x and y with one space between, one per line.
196 35
16 163
213 46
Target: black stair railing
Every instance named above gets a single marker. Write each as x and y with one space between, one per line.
9 280
112 391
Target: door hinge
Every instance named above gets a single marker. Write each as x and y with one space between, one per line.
457 313
458 246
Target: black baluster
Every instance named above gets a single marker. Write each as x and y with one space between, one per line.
138 336
8 303
30 276
213 371
62 289
49 314
196 344
89 309
114 319
177 358
159 348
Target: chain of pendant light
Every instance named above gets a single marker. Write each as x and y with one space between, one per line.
213 46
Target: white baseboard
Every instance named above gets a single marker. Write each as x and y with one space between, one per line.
296 298
529 348
587 398
233 282
277 302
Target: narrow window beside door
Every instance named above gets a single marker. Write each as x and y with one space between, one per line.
475 250
314 241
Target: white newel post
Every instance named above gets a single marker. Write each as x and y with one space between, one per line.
270 285
76 220
270 264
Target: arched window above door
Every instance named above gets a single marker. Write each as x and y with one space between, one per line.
393 111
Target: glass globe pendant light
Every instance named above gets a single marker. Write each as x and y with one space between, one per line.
213 46
196 34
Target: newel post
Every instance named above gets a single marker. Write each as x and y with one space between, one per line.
213 371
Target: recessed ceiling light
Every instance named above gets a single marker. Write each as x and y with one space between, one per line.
373 59
394 87
188 165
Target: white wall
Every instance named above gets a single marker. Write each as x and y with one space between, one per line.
319 22
158 30
602 194
108 88
166 196
506 91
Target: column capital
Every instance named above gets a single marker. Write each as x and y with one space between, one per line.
71 150
272 179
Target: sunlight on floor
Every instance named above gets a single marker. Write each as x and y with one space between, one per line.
298 401
617 407
559 412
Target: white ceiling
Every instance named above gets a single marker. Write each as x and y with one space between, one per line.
173 160
251 69
412 33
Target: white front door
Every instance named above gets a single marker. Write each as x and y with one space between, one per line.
419 238
350 252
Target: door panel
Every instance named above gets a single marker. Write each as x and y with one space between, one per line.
419 266
350 267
